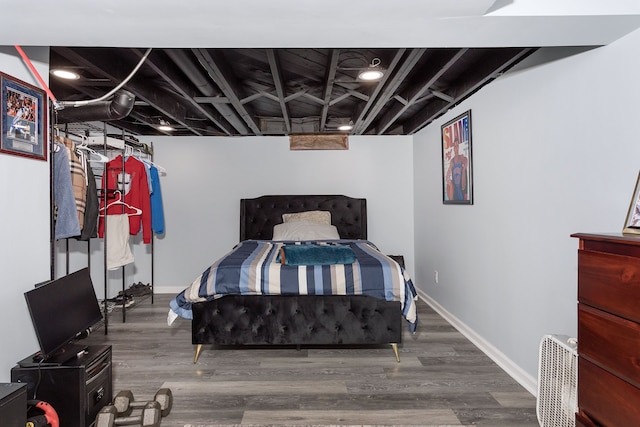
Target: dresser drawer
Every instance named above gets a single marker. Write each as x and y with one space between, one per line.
605 398
610 341
610 282
583 421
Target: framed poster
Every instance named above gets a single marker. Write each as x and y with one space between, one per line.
632 223
23 125
457 176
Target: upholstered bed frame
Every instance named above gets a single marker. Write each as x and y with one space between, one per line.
259 215
298 319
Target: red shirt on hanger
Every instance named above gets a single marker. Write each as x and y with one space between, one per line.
134 185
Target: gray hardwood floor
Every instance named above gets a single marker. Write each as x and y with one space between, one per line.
442 379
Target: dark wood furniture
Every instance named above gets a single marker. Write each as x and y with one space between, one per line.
298 319
608 330
77 389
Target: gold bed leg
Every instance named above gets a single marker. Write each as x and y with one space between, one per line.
198 350
394 346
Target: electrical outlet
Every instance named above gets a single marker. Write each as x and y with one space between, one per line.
435 276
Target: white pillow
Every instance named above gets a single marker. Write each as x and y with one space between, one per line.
323 217
305 230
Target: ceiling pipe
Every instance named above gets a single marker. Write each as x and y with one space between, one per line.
117 108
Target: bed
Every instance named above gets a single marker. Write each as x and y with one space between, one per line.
264 291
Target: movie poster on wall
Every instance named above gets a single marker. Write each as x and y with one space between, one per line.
457 176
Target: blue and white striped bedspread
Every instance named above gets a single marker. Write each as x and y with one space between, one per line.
251 269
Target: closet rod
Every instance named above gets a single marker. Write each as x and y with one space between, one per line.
67 132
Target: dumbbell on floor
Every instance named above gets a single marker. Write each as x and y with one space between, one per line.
150 417
124 402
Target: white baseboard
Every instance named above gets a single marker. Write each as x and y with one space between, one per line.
514 371
168 289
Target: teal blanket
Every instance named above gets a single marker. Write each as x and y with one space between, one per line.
316 255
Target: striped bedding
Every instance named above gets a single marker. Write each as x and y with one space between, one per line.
251 268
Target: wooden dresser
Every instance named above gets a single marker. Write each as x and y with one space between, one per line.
608 330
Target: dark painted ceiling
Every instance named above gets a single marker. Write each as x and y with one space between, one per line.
246 92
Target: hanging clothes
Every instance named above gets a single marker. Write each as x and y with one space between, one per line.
66 214
118 249
78 177
90 227
157 211
133 184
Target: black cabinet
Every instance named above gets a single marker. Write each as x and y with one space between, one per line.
77 389
13 405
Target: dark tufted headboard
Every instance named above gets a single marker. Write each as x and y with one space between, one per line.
258 216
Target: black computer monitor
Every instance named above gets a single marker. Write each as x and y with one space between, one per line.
60 310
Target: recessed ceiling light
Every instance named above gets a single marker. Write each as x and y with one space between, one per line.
65 74
370 75
165 126
373 72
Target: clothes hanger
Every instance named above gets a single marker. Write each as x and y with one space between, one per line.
161 170
144 159
136 211
128 151
132 153
99 157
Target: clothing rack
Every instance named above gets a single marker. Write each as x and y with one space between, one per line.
109 143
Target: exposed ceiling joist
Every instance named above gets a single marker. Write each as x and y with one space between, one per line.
180 86
274 65
330 77
415 92
358 125
490 69
392 85
282 91
227 85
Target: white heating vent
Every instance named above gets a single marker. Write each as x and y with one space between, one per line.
557 381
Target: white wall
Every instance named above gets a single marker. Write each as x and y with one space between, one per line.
207 177
555 151
24 228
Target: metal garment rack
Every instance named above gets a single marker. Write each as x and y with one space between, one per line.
103 195
105 192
